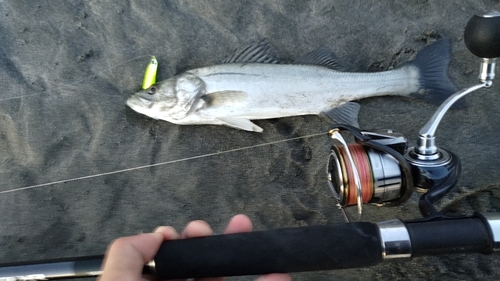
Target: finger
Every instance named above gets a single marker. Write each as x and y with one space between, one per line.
239 223
168 232
126 256
275 277
197 228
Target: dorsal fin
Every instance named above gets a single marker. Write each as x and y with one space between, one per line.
256 52
321 56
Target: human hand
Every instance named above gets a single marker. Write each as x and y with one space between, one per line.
126 256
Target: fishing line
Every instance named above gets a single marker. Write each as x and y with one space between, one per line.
97 74
161 163
111 68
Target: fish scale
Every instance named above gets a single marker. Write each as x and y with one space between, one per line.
275 90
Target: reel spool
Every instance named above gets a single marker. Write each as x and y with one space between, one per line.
379 174
371 170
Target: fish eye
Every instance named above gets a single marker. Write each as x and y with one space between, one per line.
152 90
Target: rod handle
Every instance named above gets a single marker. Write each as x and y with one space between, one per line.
274 251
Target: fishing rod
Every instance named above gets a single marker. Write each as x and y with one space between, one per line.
376 168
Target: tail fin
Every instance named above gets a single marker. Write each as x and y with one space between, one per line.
432 63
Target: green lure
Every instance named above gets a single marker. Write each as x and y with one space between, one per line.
150 73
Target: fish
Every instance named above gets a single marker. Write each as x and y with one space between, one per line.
252 84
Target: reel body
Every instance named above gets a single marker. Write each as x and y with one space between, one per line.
434 178
379 169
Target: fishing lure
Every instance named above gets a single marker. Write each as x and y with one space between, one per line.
150 73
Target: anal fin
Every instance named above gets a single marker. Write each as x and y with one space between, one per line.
345 114
241 123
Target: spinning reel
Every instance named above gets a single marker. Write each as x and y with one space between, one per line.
378 168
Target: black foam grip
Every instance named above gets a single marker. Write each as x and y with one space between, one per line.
482 36
461 235
283 250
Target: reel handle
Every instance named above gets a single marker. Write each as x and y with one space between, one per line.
482 38
482 35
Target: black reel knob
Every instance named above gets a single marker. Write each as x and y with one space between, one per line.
482 35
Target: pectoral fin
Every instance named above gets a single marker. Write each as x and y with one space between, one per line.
226 98
240 123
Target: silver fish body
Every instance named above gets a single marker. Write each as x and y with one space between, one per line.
232 94
263 91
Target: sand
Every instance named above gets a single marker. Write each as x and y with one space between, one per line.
66 69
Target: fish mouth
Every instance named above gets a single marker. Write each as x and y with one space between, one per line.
135 102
